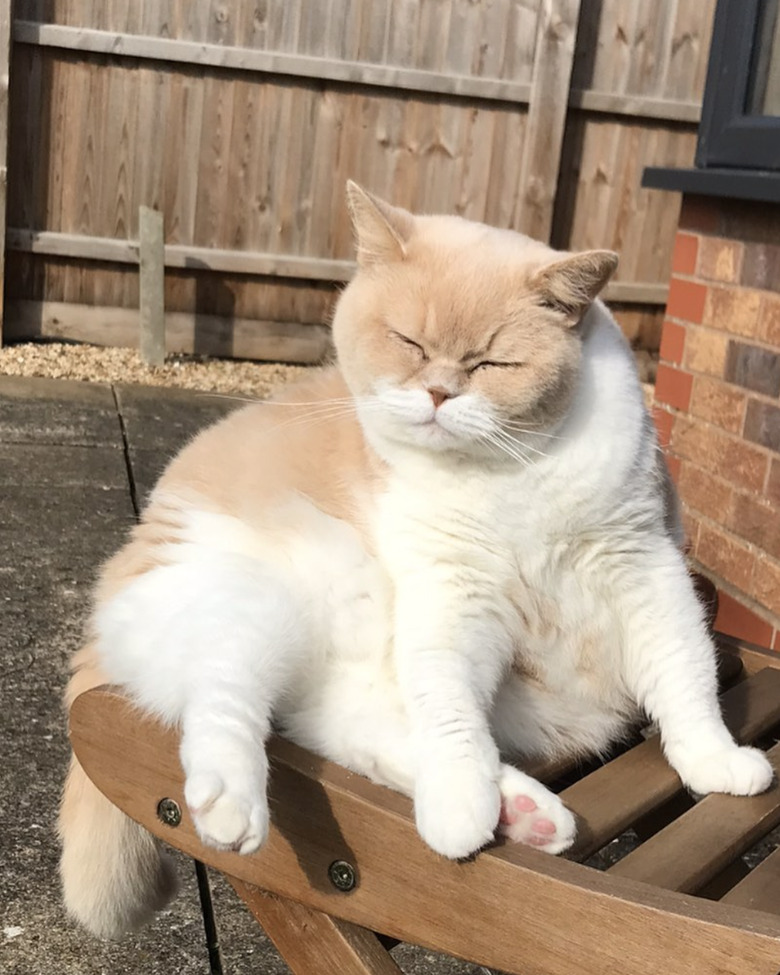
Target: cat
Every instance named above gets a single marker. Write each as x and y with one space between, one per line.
460 542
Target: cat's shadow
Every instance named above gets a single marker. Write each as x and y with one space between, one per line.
302 814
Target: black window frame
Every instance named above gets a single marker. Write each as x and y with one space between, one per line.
729 136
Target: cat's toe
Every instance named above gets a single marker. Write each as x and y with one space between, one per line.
533 815
227 819
736 771
457 810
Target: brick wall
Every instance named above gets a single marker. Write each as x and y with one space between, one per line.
717 404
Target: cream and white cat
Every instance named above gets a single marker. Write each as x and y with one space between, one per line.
460 542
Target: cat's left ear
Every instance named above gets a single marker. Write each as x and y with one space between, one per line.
570 285
382 231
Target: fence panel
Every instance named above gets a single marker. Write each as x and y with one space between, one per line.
241 122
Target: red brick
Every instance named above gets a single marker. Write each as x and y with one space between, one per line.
672 342
762 424
718 403
673 387
769 321
737 620
663 421
734 310
720 259
766 584
706 493
706 351
700 213
723 554
755 520
686 249
754 368
739 463
761 266
773 483
686 300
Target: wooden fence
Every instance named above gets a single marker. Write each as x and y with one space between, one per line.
241 122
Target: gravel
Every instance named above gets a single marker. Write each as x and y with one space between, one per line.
95 363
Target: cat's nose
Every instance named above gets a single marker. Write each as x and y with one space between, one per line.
438 395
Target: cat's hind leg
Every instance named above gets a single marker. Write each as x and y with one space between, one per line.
532 814
211 644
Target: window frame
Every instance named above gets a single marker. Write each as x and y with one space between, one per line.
728 135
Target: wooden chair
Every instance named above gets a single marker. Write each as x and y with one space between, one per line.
344 861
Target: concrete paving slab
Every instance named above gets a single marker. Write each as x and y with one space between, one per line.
33 411
164 420
46 465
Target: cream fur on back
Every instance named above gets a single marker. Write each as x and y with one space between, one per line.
459 541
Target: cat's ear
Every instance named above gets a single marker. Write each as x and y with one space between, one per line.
382 231
570 285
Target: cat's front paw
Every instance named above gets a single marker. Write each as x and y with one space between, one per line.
736 771
227 818
457 805
533 815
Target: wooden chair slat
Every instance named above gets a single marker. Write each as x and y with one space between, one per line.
609 800
502 909
760 890
310 941
696 847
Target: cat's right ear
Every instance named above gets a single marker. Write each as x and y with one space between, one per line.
382 231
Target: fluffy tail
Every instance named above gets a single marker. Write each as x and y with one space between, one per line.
114 875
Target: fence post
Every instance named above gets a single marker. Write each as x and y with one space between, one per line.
556 35
6 24
152 286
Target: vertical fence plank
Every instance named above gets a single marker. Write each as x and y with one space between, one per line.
556 34
6 14
152 297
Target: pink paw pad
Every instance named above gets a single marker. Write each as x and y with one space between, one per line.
544 826
512 810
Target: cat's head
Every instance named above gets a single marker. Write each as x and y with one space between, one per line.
455 336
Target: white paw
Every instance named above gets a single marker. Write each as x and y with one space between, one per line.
456 806
737 771
227 818
531 814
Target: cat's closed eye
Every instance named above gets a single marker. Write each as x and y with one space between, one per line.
489 364
409 343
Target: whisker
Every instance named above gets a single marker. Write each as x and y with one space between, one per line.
502 435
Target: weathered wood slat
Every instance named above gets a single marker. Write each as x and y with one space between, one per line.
186 332
702 842
335 69
180 255
322 813
151 287
310 941
268 62
247 262
644 780
556 31
760 890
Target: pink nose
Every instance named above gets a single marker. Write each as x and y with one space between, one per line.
438 395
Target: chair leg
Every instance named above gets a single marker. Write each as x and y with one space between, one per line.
311 942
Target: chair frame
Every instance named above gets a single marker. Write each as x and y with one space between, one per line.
343 860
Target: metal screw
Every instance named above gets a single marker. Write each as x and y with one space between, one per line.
342 875
169 812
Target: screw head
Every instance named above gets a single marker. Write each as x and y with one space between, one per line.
342 875
169 812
